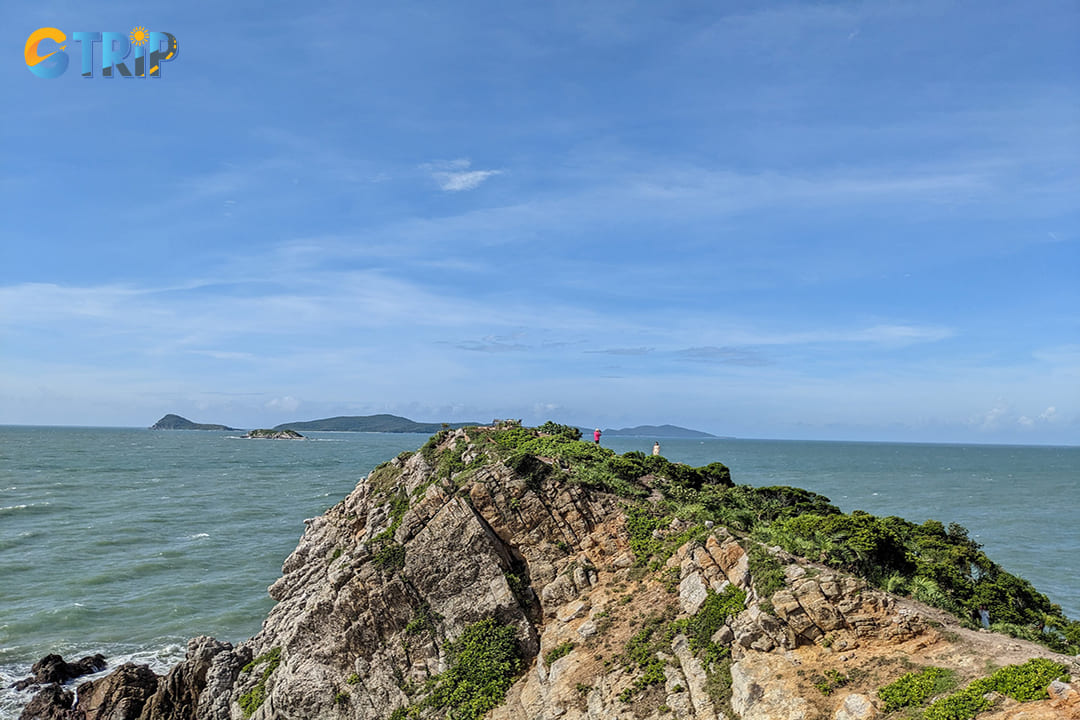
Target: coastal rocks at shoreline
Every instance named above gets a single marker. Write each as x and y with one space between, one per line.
54 669
265 434
613 612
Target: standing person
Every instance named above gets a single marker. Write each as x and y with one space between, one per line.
656 448
596 436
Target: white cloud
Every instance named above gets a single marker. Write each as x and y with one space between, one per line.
455 175
287 403
991 419
1048 414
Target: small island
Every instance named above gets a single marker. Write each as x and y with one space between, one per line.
382 423
175 422
265 434
659 431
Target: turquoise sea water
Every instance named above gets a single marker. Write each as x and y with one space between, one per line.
128 542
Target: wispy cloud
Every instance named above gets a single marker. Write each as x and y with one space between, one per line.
455 175
722 356
627 351
493 345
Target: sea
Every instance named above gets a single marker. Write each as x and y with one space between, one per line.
127 542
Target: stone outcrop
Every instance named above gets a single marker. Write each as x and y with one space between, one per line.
54 669
423 548
264 434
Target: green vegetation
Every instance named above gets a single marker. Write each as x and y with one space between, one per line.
1020 682
914 688
939 566
429 448
384 477
657 632
561 650
767 574
398 505
554 428
424 621
483 663
640 655
254 698
830 682
390 558
714 612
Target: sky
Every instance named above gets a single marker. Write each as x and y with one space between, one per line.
827 220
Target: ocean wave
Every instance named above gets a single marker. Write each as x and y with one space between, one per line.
198 536
25 506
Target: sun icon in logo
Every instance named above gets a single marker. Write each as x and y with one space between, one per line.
139 36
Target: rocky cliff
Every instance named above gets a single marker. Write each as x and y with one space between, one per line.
497 573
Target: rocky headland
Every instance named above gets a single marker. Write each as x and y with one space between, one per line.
503 573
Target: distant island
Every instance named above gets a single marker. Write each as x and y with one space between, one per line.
657 431
175 422
369 423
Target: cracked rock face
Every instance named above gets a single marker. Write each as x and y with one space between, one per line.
382 582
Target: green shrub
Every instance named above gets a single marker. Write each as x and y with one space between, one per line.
766 572
554 428
914 688
390 557
482 666
428 449
702 625
253 699
383 478
830 682
1028 681
561 650
425 620
1020 682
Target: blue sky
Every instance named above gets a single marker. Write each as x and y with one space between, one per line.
831 220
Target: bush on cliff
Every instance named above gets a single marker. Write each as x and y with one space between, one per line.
483 664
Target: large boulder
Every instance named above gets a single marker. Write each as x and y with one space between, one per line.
54 669
51 703
120 695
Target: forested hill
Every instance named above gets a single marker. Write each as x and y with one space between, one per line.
657 431
369 423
